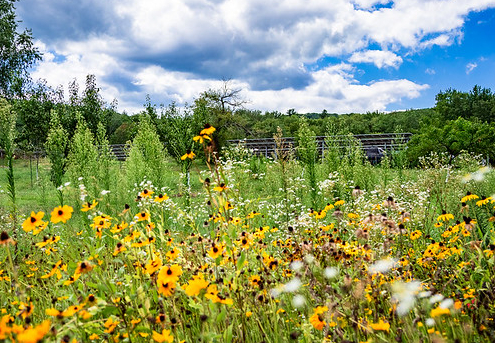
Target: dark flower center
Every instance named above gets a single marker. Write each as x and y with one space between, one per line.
4 236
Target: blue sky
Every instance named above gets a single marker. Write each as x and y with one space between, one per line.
340 55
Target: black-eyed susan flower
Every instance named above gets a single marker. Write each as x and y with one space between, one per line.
40 228
87 206
201 138
33 221
61 214
119 248
143 215
317 318
119 227
153 265
170 273
84 267
48 241
255 280
415 235
173 254
25 309
91 300
245 242
207 130
166 288
444 217
196 284
161 197
189 154
483 201
252 214
101 222
160 318
146 193
216 251
220 188
469 197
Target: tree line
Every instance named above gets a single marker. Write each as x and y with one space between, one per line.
458 121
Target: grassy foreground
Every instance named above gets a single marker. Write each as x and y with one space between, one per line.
253 257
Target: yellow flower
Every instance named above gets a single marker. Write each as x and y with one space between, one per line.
172 254
317 319
436 312
143 216
33 335
252 214
255 280
89 206
110 325
208 130
166 288
483 201
469 197
161 197
170 273
216 251
61 214
380 326
146 193
188 154
84 267
153 265
445 217
249 314
415 235
33 221
195 285
221 187
201 138
165 336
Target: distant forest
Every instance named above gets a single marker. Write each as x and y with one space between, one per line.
459 121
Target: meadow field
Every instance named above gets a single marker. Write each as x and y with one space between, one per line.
250 249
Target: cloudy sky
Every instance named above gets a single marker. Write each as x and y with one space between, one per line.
339 55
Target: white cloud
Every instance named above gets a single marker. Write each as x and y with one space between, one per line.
332 88
176 49
470 67
430 71
377 57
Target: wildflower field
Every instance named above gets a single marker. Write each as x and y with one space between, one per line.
248 249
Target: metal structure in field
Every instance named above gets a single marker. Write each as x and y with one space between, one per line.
374 145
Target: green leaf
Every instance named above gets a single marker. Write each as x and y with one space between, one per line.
241 260
227 335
